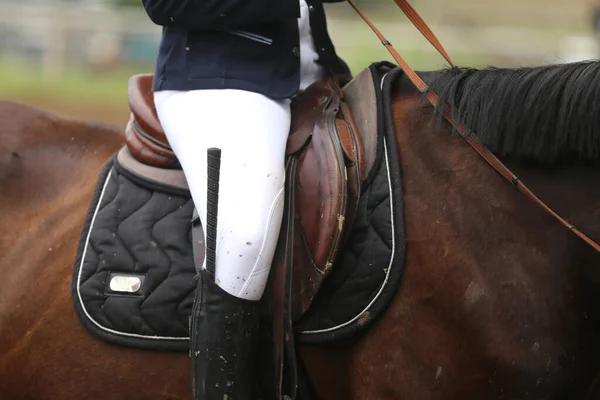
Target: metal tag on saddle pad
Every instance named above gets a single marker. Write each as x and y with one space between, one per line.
124 284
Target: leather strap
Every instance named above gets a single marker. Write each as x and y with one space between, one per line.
469 136
284 353
420 24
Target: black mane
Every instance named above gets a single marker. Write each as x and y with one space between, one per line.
546 114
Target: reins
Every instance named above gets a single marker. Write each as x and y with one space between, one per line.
469 136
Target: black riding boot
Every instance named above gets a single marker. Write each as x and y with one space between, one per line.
224 333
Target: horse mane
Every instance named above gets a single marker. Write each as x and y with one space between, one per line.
547 114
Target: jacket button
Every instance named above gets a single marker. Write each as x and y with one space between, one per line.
311 8
296 51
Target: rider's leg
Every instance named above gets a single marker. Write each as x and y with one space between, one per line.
251 130
252 138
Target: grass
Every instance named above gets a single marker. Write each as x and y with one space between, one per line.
18 81
23 82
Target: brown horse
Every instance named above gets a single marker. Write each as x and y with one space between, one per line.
498 301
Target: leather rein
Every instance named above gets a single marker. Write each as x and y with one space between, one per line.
468 135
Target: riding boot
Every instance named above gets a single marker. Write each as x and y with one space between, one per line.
224 333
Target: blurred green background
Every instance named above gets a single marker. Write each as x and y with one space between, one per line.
75 57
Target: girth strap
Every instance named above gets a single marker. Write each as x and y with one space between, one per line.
284 353
469 136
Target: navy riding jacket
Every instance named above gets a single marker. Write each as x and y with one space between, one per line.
251 45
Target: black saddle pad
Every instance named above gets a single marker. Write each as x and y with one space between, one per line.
133 281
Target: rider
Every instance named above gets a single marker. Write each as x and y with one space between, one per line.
225 76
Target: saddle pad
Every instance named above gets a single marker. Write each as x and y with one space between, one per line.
133 280
368 272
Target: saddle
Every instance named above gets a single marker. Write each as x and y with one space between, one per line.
325 170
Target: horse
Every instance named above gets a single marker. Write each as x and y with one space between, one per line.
497 301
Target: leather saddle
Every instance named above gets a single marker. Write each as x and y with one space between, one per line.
326 153
325 169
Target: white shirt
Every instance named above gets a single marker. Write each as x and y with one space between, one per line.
310 71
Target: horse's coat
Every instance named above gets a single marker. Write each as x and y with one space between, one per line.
498 301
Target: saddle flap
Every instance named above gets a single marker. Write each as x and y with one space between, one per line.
327 184
322 192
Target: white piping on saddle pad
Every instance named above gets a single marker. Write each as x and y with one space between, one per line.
393 249
87 241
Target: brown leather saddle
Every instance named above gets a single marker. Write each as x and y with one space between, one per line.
325 168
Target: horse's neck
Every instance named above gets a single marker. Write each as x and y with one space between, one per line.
572 191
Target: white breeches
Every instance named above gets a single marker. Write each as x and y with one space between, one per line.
251 130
